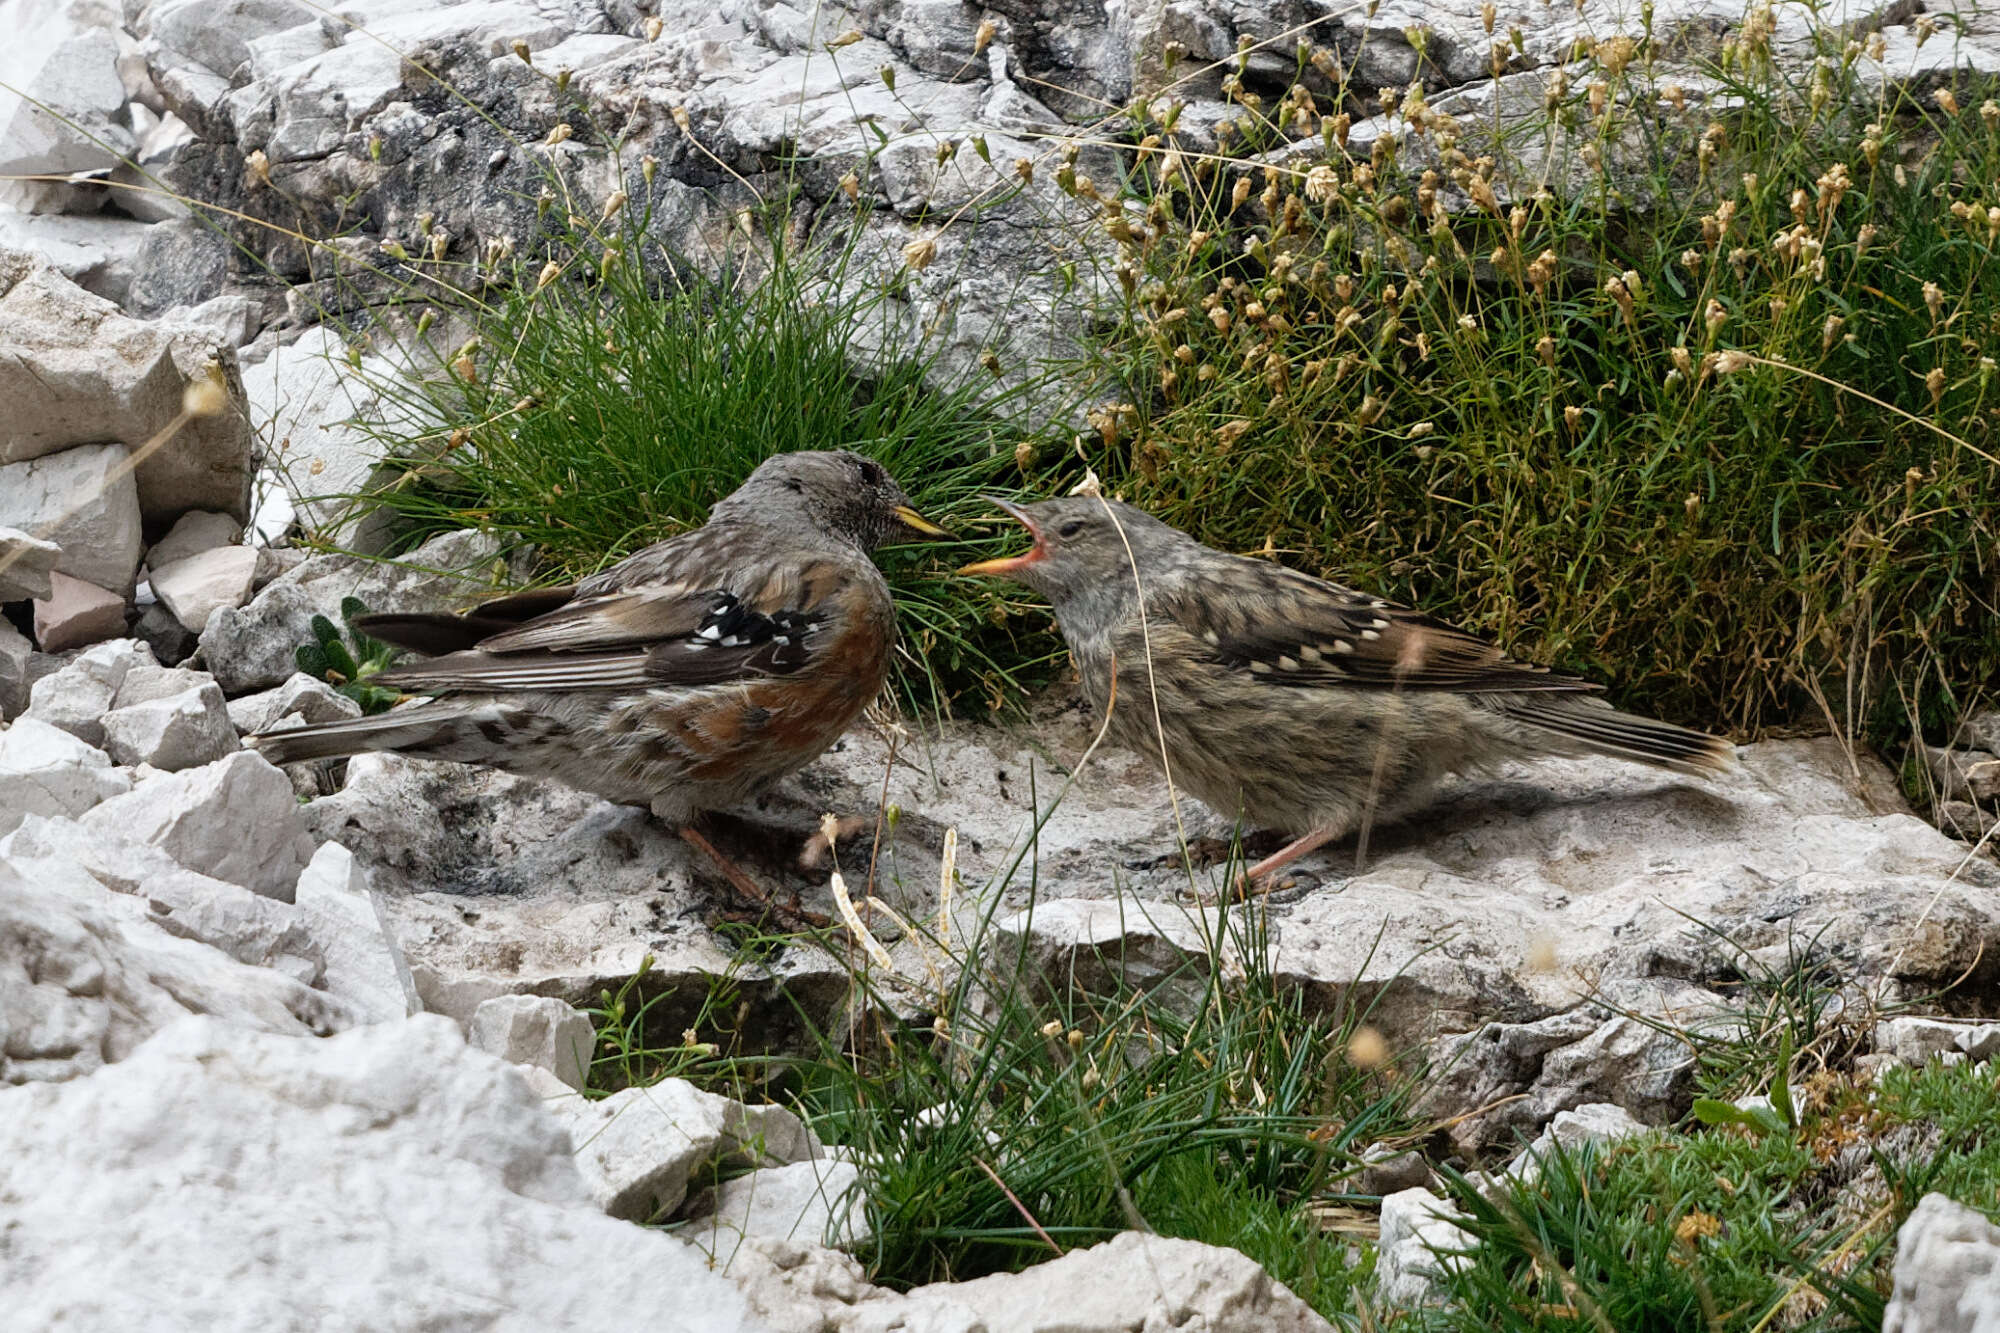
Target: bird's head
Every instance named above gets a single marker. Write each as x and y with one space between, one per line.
845 495
1085 548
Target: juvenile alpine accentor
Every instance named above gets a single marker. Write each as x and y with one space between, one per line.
1289 701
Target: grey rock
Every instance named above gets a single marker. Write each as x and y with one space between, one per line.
1409 1270
1391 1170
1981 731
535 1030
1964 820
302 697
639 1149
181 263
344 917
1951 772
171 641
15 650
76 613
1947 1273
302 1154
1913 1040
196 531
1593 1122
82 984
85 501
25 565
234 819
77 696
195 588
1980 1041
184 730
76 371
252 647
47 771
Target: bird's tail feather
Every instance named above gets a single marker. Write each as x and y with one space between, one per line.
429 731
1597 728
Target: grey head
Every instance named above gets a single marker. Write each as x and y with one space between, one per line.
828 493
1086 549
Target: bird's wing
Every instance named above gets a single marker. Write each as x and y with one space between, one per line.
710 612
1290 629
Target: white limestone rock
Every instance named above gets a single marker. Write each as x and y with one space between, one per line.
76 371
344 917
25 565
639 1149
535 1030
1134 1281
145 682
813 1203
301 701
77 696
82 983
194 532
247 926
183 730
235 819
1416 1225
195 588
47 771
387 1179
1947 1273
85 501
60 93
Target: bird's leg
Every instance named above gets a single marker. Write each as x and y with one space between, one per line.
1254 879
746 886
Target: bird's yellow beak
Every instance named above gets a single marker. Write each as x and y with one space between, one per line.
917 523
1006 565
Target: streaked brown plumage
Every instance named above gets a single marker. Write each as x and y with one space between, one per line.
688 677
1292 702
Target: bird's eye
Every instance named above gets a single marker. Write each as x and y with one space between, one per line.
871 471
1070 529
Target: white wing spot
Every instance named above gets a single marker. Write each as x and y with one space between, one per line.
709 632
1381 624
1288 664
1211 636
1260 668
1338 646
1372 634
1309 653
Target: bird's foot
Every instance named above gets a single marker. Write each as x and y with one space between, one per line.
1263 878
749 890
1205 853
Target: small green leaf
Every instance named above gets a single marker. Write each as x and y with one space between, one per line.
311 659
1781 1086
1712 1112
324 631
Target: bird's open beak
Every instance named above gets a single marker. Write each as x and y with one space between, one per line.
917 523
1007 565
